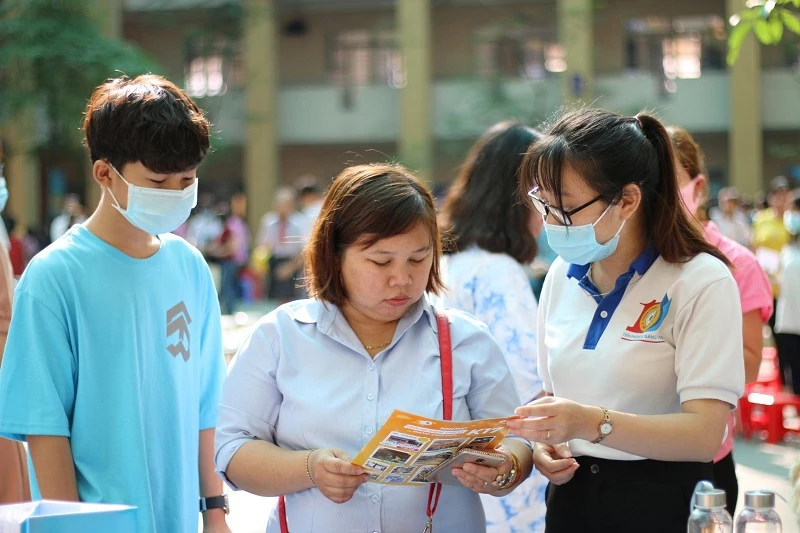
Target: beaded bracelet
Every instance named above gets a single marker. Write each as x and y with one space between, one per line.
308 471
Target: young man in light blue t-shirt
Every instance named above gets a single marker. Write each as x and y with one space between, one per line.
113 365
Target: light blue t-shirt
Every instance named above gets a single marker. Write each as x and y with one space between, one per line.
124 357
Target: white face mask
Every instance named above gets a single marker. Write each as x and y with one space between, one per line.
156 211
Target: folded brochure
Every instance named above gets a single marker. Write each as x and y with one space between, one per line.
408 446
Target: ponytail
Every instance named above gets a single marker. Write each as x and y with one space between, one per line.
610 151
673 235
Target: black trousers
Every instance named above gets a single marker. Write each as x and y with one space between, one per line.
725 479
624 496
788 346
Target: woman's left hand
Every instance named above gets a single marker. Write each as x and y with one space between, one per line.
554 420
480 478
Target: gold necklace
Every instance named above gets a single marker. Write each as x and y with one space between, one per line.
379 346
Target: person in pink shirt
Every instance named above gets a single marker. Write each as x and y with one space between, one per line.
755 290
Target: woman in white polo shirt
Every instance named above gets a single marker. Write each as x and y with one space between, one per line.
640 330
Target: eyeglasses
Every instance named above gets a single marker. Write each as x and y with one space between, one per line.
562 217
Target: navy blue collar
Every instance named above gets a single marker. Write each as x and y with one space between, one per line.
607 303
641 265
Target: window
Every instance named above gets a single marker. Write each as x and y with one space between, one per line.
366 57
517 53
679 48
682 57
212 65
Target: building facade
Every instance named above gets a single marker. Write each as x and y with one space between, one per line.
309 86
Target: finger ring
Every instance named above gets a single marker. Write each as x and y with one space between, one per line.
485 484
547 437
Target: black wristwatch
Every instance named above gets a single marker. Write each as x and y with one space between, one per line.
217 502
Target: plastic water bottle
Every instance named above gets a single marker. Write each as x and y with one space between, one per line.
759 514
708 511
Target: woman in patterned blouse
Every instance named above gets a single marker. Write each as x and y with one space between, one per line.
493 235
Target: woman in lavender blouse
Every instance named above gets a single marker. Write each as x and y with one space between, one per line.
318 377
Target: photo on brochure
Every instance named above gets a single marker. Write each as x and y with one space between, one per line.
374 465
405 442
434 458
389 455
480 442
446 444
422 473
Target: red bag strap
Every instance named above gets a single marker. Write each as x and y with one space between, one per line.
446 361
282 514
446 356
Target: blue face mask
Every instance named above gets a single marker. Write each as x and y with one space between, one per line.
791 219
156 211
578 244
3 194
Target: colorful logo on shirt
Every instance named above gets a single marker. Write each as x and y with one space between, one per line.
649 321
178 321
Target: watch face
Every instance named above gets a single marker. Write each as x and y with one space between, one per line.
605 428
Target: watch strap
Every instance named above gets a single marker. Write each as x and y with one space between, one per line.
214 502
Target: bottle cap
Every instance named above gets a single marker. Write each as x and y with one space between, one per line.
759 499
710 499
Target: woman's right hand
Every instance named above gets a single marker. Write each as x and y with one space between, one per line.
334 475
555 462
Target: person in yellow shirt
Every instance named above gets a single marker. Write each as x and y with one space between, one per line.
769 232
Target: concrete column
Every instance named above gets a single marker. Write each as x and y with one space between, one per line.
575 34
745 136
416 110
107 14
22 171
261 165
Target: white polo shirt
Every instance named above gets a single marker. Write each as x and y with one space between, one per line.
665 335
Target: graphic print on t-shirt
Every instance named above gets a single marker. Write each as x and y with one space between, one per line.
178 321
646 326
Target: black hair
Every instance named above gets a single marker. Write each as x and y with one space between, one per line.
610 151
149 120
482 206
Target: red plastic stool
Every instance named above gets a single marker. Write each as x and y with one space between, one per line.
768 382
764 411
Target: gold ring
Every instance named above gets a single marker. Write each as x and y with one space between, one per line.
547 438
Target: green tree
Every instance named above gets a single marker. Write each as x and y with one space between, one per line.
52 55
766 20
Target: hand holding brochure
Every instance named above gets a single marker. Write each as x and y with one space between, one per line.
408 447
